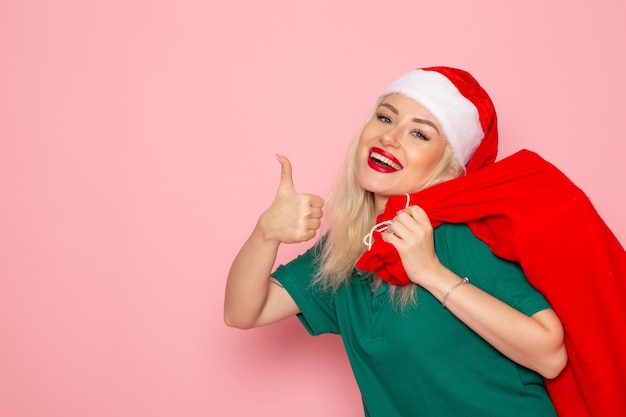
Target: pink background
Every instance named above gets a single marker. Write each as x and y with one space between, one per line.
137 143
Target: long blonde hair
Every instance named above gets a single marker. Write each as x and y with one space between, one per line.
351 214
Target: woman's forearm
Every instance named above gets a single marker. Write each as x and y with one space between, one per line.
248 280
535 342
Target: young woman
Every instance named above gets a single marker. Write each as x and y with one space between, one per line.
460 331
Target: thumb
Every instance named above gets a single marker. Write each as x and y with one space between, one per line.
286 178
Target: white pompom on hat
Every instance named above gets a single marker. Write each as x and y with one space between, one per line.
461 106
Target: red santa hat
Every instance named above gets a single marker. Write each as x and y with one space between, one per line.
460 105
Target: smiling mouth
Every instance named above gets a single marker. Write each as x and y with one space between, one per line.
383 163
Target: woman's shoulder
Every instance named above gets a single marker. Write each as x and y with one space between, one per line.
455 232
457 246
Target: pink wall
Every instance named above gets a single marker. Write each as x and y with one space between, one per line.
137 143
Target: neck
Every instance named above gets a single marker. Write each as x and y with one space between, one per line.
380 202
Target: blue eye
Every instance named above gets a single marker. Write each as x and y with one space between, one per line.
419 135
383 118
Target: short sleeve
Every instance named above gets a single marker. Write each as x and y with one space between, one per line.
317 309
501 278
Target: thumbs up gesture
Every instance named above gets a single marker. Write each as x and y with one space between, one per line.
293 217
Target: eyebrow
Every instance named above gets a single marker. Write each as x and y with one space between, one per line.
415 119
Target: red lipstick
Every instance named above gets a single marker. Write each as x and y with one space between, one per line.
382 161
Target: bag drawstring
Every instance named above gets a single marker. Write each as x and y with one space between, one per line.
368 239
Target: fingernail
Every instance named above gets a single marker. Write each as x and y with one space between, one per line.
280 161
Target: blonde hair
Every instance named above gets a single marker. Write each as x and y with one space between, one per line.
351 214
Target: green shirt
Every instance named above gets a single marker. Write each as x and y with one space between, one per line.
423 361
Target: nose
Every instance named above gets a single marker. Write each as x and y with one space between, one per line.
390 138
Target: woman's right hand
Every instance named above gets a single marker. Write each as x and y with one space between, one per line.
293 217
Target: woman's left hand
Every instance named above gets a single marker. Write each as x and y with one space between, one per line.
411 233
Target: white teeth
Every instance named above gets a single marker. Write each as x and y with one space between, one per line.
385 160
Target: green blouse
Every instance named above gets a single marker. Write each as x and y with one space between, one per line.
423 361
